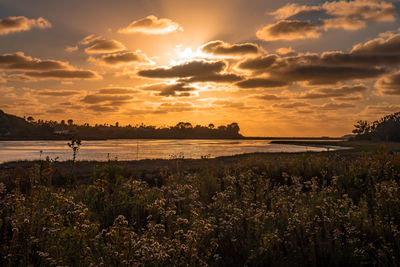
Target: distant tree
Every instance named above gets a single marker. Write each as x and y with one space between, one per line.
180 125
188 125
211 126
361 127
30 119
70 122
117 124
62 122
386 128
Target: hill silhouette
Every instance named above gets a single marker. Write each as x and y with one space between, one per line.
13 127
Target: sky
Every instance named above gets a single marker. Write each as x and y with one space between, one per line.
278 68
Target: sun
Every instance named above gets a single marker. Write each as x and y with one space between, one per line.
184 54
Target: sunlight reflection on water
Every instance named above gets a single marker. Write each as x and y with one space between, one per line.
131 149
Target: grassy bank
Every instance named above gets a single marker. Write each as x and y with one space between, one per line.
336 208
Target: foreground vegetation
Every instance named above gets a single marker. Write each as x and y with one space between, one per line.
279 210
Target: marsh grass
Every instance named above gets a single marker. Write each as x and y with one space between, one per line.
302 210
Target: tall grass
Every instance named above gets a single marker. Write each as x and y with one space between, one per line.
306 209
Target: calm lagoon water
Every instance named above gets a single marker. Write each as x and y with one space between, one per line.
131 149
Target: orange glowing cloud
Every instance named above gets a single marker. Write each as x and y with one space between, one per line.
152 25
21 23
347 15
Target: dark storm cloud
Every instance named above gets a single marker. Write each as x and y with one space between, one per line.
261 83
189 69
333 92
220 48
21 23
389 84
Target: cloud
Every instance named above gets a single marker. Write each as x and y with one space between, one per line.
295 10
55 93
35 68
174 90
356 59
291 105
389 46
289 30
122 59
317 69
229 104
188 69
347 15
336 106
333 92
55 110
21 23
362 10
97 98
384 108
18 77
216 78
268 97
324 74
261 83
19 61
286 51
101 108
100 45
365 61
258 63
65 74
389 84
348 98
220 48
117 91
174 107
152 25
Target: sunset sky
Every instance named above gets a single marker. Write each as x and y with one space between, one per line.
278 68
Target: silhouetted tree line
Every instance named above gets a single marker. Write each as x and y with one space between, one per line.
384 129
15 127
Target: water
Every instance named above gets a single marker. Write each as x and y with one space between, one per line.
131 149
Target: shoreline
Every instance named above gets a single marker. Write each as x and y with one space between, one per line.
330 139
